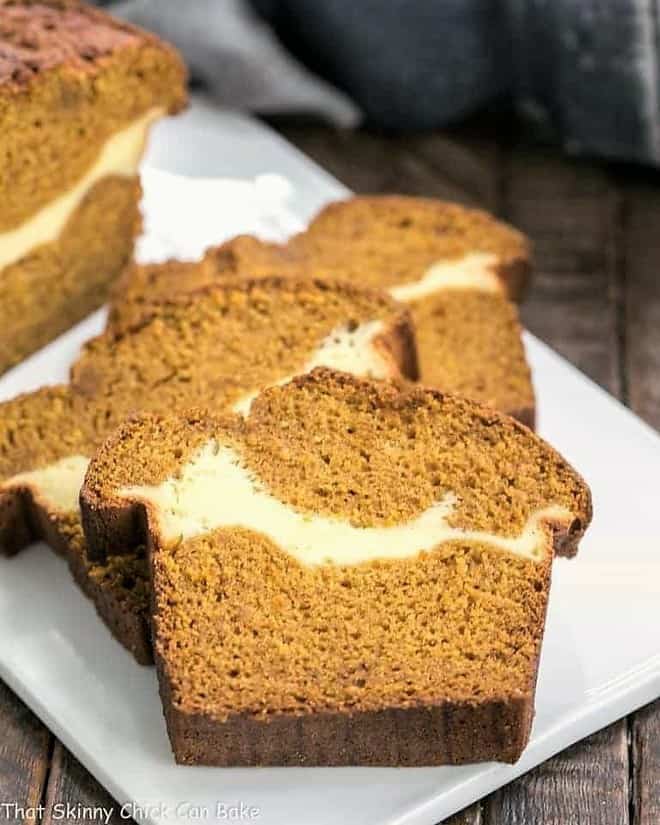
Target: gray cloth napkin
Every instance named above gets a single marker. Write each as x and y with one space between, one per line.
588 71
238 58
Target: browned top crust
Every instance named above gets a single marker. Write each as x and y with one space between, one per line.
38 35
381 454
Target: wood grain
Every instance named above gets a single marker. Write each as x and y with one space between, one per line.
75 797
641 314
645 736
586 784
571 212
642 297
464 169
24 758
468 816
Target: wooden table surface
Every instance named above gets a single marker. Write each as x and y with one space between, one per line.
595 299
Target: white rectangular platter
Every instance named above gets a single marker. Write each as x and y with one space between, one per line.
601 657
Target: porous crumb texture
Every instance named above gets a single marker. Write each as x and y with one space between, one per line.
41 427
216 345
255 648
77 73
59 283
458 623
393 239
141 286
386 467
469 341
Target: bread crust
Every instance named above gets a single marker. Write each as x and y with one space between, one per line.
475 350
132 629
445 734
18 72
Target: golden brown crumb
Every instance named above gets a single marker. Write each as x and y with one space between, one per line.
245 631
469 341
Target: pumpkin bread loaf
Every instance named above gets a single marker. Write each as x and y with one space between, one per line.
351 575
453 266
78 93
217 348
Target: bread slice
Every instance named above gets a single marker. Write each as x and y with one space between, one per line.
218 348
395 240
78 94
351 575
453 265
222 344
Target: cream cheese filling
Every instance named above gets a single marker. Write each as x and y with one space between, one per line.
476 270
349 350
56 486
119 155
214 490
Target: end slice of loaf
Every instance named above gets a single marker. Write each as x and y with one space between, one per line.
456 268
217 348
79 92
395 239
351 575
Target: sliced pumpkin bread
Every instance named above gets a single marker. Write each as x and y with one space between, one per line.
218 348
454 266
353 574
